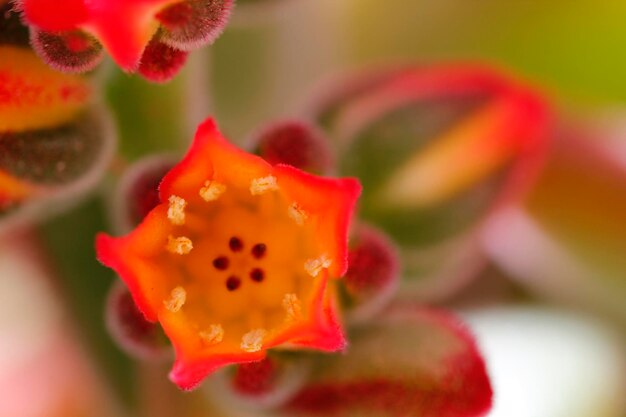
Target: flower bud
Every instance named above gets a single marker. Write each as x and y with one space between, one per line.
54 143
256 378
137 192
439 150
268 383
189 24
151 38
296 143
131 331
373 272
160 62
69 51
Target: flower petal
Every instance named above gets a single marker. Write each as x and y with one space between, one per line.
125 39
211 153
333 221
54 15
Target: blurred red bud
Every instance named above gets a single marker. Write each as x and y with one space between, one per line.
296 143
138 191
265 384
255 378
151 37
131 331
160 62
190 24
373 271
70 51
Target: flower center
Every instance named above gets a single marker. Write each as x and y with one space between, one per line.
236 245
245 259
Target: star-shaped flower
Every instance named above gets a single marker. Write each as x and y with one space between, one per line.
238 257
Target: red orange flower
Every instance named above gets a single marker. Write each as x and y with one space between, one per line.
237 258
149 36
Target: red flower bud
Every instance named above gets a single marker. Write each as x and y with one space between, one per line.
129 328
373 271
69 34
138 191
295 143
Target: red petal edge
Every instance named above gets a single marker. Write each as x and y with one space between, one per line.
459 387
107 249
344 192
53 15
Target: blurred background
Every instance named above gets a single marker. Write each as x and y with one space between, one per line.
547 301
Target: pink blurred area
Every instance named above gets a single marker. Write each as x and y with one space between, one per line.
44 370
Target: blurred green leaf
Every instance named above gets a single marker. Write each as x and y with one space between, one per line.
69 239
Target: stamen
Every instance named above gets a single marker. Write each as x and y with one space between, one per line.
297 214
293 306
177 299
314 266
235 244
257 274
212 190
180 245
262 185
214 335
232 283
253 340
176 210
221 263
258 250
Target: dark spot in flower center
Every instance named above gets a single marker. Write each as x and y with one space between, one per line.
235 244
233 282
258 250
257 274
221 263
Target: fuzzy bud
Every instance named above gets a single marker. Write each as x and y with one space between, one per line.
295 143
138 191
69 51
373 272
188 24
266 384
161 62
129 328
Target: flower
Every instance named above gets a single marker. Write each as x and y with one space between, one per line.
32 97
149 36
55 142
237 258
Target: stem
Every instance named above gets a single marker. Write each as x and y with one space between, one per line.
197 89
